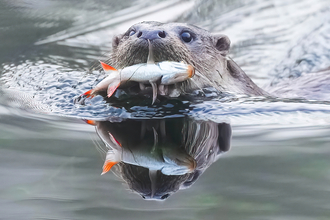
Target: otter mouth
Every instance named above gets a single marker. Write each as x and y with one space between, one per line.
132 89
136 88
153 52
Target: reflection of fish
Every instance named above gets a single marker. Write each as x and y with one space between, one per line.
169 160
166 72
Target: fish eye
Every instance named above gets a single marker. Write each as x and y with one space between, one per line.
186 36
132 32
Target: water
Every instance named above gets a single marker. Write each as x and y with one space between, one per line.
259 158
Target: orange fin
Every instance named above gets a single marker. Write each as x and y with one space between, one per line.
113 87
107 166
107 67
113 139
90 122
88 94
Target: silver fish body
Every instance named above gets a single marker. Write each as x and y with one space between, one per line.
145 73
168 71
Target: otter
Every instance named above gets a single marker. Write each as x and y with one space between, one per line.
206 52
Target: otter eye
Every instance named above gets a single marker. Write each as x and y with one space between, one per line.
131 33
186 37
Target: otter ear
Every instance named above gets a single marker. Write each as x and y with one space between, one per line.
222 43
116 41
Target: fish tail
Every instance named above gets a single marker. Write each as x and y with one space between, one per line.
107 166
111 160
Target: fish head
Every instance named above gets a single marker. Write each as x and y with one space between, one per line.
177 72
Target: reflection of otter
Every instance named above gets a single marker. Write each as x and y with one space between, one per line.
187 43
158 157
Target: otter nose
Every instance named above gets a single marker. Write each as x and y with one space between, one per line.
151 34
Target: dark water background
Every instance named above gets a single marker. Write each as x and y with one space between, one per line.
50 163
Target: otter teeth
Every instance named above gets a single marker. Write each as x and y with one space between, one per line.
142 86
160 89
163 89
154 91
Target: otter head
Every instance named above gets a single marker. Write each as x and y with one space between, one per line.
173 42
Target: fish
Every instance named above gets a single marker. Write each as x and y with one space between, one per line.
165 72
